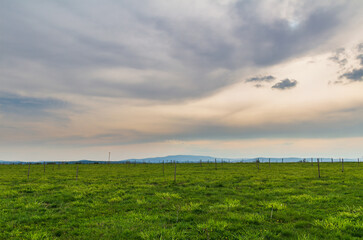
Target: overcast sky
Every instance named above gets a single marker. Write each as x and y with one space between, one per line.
226 78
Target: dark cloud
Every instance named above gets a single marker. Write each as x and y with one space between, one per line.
70 39
360 47
261 79
339 57
360 57
355 76
285 84
272 42
29 106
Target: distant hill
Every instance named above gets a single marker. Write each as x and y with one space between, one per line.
182 159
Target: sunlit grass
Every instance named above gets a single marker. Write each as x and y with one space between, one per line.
236 201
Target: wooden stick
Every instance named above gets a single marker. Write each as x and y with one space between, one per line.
318 167
342 164
175 171
77 173
163 168
28 171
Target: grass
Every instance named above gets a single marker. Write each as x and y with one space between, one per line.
236 201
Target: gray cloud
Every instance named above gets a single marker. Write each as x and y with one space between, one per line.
360 57
68 39
360 47
268 78
339 57
285 84
29 107
355 76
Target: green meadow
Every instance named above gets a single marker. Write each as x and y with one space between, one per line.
139 201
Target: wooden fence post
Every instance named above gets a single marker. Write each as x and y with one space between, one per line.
44 166
175 171
215 163
77 173
163 168
318 167
342 164
269 162
28 170
312 161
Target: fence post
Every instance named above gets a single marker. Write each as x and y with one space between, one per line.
44 166
282 160
318 167
269 162
163 168
175 171
312 161
28 170
77 173
215 163
342 164
358 161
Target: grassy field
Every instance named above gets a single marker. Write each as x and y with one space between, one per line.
236 201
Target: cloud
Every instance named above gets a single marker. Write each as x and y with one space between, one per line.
355 76
268 78
360 47
360 57
285 84
145 71
29 106
70 39
339 57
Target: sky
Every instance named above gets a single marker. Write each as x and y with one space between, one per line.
224 78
